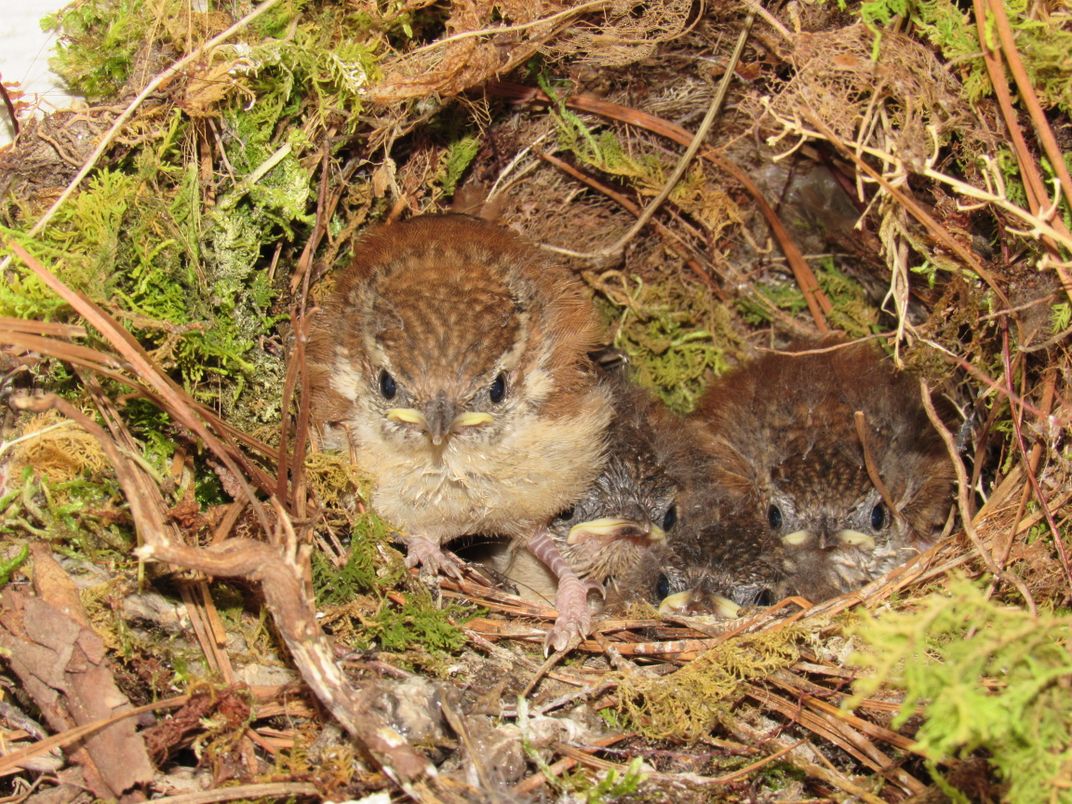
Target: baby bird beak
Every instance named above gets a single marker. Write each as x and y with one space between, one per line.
472 418
694 601
845 538
407 416
855 538
610 529
437 421
439 417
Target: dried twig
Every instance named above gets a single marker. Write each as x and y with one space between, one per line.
818 303
962 501
869 463
1029 470
280 571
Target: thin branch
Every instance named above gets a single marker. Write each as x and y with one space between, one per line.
962 501
1032 479
869 463
817 301
613 252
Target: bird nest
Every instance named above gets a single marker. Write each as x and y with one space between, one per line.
870 172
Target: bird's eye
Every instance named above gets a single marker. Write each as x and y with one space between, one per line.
387 385
774 516
565 515
662 587
878 516
764 597
497 391
670 517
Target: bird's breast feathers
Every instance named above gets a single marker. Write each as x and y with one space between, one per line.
469 486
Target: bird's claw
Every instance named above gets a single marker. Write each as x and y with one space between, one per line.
429 556
574 619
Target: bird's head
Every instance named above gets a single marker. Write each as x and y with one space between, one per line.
451 330
628 510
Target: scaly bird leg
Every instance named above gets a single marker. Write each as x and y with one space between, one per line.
429 556
574 619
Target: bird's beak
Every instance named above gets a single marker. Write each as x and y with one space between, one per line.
439 417
407 416
855 538
692 601
846 538
610 529
472 418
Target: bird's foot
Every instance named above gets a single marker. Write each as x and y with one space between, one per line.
574 620
429 556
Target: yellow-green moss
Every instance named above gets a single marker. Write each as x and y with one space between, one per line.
986 675
687 704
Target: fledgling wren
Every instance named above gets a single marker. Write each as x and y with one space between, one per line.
454 357
785 460
664 578
626 511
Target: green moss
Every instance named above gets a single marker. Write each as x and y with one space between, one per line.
10 565
364 570
97 44
985 675
610 785
79 517
687 704
453 164
419 623
1043 44
674 334
852 311
1060 317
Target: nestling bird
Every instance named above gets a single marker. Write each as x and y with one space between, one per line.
627 510
664 578
453 357
787 468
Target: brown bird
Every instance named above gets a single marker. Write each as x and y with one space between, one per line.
629 508
663 578
453 357
787 476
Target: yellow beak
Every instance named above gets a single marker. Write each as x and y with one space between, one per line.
682 601
414 416
855 538
609 528
407 416
472 419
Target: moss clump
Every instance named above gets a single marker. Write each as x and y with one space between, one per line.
986 676
1043 45
687 704
675 335
364 571
98 43
57 449
417 623
852 312
82 517
338 484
